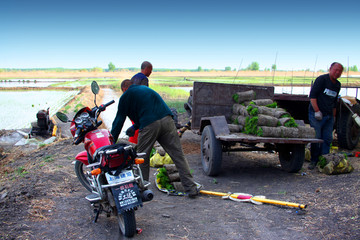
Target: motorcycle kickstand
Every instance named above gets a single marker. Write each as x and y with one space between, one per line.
97 212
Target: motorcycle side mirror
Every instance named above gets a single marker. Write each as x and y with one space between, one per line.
95 87
62 117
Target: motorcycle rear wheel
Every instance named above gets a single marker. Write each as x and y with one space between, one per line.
82 175
127 223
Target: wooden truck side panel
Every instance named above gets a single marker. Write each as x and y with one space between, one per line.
215 99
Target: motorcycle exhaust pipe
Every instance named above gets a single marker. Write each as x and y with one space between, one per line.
147 195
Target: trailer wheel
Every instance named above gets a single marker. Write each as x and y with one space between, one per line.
211 152
291 156
348 132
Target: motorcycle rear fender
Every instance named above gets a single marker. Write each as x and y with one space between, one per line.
82 157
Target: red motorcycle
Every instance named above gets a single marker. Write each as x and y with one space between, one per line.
109 171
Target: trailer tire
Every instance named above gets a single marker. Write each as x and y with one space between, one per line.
291 156
348 133
211 152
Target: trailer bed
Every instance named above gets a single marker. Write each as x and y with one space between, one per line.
245 138
211 111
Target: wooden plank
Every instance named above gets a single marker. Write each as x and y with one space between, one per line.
245 138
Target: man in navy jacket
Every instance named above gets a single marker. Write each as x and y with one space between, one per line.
141 78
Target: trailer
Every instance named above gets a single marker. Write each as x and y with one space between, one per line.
346 129
211 111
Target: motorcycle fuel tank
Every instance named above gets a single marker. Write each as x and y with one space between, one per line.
96 139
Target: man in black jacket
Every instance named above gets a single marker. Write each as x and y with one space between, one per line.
322 110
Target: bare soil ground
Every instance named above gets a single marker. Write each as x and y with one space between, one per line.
41 198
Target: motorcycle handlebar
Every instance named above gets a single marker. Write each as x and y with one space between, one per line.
109 103
77 133
77 138
104 106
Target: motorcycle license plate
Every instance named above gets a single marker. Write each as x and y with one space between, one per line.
124 176
126 196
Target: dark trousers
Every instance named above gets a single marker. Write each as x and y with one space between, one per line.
323 129
164 131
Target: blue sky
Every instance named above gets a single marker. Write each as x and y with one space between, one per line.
307 34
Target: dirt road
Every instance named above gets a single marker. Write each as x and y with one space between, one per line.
40 198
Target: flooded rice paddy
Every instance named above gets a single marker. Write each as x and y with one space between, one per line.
36 83
19 108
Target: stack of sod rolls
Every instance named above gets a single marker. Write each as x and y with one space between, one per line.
169 178
263 118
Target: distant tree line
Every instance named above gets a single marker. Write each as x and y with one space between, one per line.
254 66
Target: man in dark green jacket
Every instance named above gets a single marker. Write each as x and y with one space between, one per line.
154 120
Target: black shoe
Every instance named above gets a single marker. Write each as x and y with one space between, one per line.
193 194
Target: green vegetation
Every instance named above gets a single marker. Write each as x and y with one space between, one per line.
170 93
272 105
67 107
78 107
49 158
21 171
267 80
291 123
251 125
353 68
253 111
235 97
254 66
163 180
111 67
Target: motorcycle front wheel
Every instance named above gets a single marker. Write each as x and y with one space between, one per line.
80 170
127 223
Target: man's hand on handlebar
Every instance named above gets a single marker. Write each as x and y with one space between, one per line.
130 131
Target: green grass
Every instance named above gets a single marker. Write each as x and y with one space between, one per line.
263 80
178 104
67 107
49 158
21 171
169 93
78 107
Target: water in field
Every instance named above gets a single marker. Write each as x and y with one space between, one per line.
109 114
40 83
19 108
